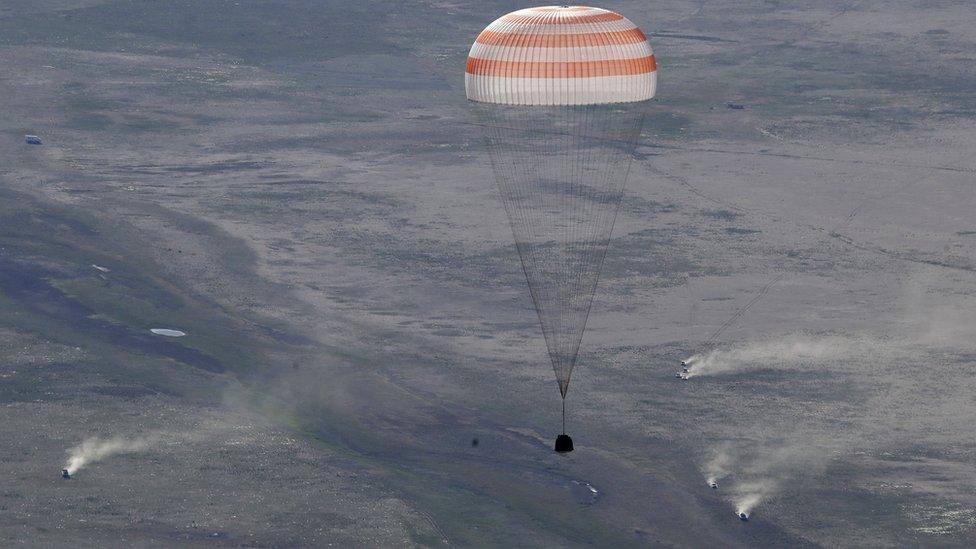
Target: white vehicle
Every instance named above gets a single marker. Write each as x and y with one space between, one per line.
742 516
714 485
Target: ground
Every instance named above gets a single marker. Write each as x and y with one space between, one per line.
299 187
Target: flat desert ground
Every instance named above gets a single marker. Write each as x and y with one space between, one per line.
298 187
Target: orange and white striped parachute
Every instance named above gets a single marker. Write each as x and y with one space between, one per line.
561 94
561 55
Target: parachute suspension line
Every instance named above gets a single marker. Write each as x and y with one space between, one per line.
562 145
561 172
564 415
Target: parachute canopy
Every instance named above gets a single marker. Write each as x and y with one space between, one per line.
560 92
568 55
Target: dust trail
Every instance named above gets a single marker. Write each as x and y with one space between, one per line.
719 466
929 322
751 494
789 351
760 470
792 438
729 322
95 449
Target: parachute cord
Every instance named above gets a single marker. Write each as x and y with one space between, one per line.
564 415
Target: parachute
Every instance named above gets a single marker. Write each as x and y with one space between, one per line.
561 94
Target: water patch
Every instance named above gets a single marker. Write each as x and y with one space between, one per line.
584 492
167 332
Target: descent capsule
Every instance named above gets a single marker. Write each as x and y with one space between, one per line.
561 92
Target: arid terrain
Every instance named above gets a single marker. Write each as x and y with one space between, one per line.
298 187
